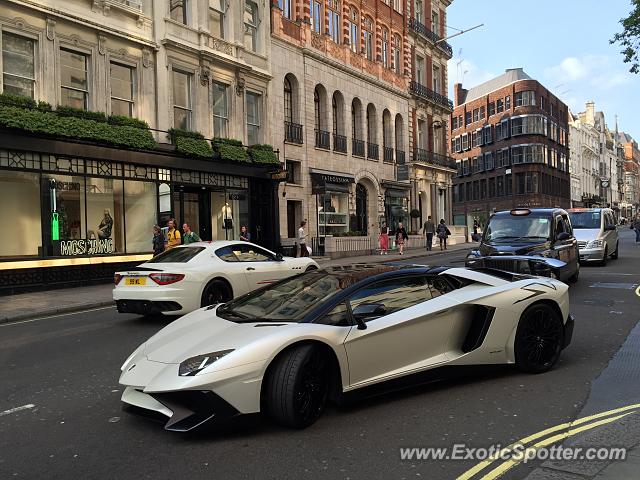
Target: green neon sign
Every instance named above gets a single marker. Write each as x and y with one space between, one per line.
55 226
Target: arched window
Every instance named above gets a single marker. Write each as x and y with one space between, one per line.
372 130
354 38
337 115
288 101
385 48
362 221
387 134
356 128
320 117
369 38
396 54
316 109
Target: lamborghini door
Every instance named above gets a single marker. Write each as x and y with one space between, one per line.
408 325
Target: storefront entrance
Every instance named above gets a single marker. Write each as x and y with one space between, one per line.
192 205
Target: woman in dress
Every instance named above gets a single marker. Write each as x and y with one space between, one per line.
401 237
384 239
443 232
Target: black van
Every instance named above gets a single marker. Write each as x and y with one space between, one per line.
525 232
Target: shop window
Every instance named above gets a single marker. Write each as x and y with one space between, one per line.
104 211
140 213
20 213
229 212
333 213
18 72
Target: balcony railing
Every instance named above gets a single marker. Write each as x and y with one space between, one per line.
372 151
357 147
387 154
423 30
432 158
323 139
400 159
425 92
339 143
293 133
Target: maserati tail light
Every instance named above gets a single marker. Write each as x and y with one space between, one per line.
116 278
166 278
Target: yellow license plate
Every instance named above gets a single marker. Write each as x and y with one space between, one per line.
135 281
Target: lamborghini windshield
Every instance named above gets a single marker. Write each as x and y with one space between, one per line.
287 301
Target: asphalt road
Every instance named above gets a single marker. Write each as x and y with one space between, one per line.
67 367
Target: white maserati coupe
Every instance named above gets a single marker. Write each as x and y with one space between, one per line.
188 277
287 349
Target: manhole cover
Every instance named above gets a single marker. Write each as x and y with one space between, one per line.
622 286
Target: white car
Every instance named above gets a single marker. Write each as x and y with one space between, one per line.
288 348
188 277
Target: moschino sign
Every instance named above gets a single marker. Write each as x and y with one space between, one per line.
72 248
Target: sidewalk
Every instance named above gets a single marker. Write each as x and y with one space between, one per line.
51 302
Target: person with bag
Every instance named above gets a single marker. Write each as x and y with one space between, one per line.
401 237
173 234
189 236
443 232
158 240
384 239
636 226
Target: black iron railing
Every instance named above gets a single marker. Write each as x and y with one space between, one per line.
425 92
387 154
293 132
339 143
357 147
323 139
372 151
426 32
432 158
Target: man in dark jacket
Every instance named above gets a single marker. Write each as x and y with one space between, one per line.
428 230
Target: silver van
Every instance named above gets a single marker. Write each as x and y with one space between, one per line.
596 232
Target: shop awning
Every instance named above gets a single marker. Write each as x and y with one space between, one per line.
323 181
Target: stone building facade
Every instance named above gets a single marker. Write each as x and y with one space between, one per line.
340 114
509 137
431 168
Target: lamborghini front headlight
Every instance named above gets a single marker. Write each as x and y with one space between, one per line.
191 366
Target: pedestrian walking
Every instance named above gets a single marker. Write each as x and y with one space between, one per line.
245 236
189 236
428 229
384 239
443 232
401 237
636 226
302 240
158 240
173 234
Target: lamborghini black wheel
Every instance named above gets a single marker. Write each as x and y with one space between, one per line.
539 339
298 387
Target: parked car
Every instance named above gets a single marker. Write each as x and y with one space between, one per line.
596 232
188 277
525 232
286 349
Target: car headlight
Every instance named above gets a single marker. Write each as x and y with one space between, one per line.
193 365
127 362
595 244
473 254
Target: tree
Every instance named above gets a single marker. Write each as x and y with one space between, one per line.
629 39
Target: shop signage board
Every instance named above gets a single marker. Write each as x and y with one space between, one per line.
83 246
402 173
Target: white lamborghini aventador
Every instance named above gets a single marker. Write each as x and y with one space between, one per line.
188 277
288 348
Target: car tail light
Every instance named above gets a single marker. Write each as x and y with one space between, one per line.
166 278
116 278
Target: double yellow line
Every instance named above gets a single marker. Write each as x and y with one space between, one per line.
561 432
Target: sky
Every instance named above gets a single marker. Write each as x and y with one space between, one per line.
564 44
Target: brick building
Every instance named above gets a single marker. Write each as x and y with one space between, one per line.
509 137
339 109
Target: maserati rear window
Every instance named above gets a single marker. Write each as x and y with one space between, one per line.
177 255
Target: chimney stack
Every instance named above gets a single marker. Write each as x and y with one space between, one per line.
590 117
459 94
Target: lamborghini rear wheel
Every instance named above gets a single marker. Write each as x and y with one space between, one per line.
539 339
298 387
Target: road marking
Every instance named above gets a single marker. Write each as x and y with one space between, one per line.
17 409
509 464
8 324
638 291
484 464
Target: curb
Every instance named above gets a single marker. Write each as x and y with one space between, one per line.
395 256
55 311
